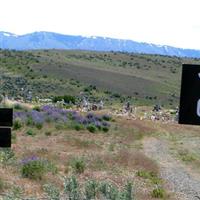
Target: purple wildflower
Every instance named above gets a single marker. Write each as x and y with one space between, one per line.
106 124
29 159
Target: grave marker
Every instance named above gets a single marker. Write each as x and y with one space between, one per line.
6 121
6 117
5 137
189 112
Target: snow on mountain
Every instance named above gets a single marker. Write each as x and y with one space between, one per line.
50 40
7 34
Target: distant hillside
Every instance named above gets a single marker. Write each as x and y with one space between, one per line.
113 76
48 40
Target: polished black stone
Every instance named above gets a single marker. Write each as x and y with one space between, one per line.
6 117
5 137
189 111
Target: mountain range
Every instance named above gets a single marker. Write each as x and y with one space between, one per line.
50 40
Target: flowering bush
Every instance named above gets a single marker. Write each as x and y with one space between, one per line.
52 114
6 155
78 165
91 128
33 168
30 132
17 124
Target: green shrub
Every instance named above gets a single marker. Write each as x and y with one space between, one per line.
71 188
37 108
30 132
127 193
116 95
66 98
15 193
78 165
78 127
105 129
106 117
17 124
149 175
52 192
109 191
6 155
51 167
33 168
39 126
29 121
158 193
18 106
91 189
91 128
48 133
94 190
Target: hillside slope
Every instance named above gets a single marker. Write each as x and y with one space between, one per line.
110 75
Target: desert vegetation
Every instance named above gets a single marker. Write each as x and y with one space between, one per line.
62 151
51 73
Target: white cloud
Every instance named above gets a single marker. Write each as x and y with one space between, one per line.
170 22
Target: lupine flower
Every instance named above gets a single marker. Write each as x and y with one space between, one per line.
106 124
29 159
49 113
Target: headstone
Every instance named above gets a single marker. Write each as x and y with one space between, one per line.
6 121
189 111
5 137
6 117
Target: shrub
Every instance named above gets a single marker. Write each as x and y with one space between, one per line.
66 98
149 175
116 95
105 129
48 133
106 117
127 193
52 191
78 165
91 128
158 193
37 108
71 188
33 168
17 106
30 132
94 190
91 189
39 125
29 121
78 127
108 190
17 124
15 193
6 154
50 167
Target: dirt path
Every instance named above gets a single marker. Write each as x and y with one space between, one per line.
179 179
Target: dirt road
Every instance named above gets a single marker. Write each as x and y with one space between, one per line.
179 179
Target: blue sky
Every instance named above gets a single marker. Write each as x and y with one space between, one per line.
165 22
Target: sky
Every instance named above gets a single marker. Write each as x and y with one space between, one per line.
165 22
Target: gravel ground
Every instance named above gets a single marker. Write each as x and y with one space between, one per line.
180 180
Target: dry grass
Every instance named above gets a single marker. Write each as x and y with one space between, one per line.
108 156
136 160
